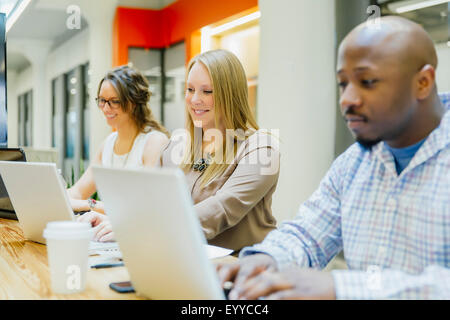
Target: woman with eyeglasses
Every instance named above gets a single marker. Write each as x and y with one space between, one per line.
138 139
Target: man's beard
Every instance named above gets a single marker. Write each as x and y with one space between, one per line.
367 144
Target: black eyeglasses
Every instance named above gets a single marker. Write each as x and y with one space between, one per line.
113 103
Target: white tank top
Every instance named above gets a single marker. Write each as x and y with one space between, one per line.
132 159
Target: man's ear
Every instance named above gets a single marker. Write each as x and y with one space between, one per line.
425 81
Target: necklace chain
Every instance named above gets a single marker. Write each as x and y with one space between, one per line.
125 162
126 158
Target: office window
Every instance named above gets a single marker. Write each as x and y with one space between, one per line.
54 123
71 117
26 119
58 109
164 69
85 112
148 61
433 17
174 73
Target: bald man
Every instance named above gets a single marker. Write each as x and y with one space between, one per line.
385 201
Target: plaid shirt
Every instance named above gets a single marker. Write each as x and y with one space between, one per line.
394 229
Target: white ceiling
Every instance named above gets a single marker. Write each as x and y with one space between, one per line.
43 23
39 21
46 20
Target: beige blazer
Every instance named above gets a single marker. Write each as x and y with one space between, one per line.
235 208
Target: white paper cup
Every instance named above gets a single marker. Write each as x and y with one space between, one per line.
68 251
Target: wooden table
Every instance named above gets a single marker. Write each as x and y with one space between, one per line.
24 271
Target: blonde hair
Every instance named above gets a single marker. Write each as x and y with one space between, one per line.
232 109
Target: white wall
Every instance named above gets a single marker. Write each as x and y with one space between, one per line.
24 82
296 93
443 69
100 16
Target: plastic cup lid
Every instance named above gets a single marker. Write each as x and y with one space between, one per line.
68 230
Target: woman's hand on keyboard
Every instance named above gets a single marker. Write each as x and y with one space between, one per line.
92 217
102 226
103 232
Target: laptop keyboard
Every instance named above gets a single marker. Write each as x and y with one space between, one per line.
79 213
109 248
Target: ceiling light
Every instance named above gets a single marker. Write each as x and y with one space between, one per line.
6 6
411 5
235 23
207 32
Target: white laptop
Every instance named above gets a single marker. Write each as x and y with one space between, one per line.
38 196
159 234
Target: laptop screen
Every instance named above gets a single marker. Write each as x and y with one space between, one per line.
8 154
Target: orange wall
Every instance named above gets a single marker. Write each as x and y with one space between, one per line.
177 22
135 28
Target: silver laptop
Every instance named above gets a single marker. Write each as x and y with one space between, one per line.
159 234
37 194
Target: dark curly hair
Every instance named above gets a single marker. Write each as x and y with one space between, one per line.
134 94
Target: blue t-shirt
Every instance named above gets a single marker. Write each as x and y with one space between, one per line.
403 156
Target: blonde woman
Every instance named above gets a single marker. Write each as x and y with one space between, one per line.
138 140
231 166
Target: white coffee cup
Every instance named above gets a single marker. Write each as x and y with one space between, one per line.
68 252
